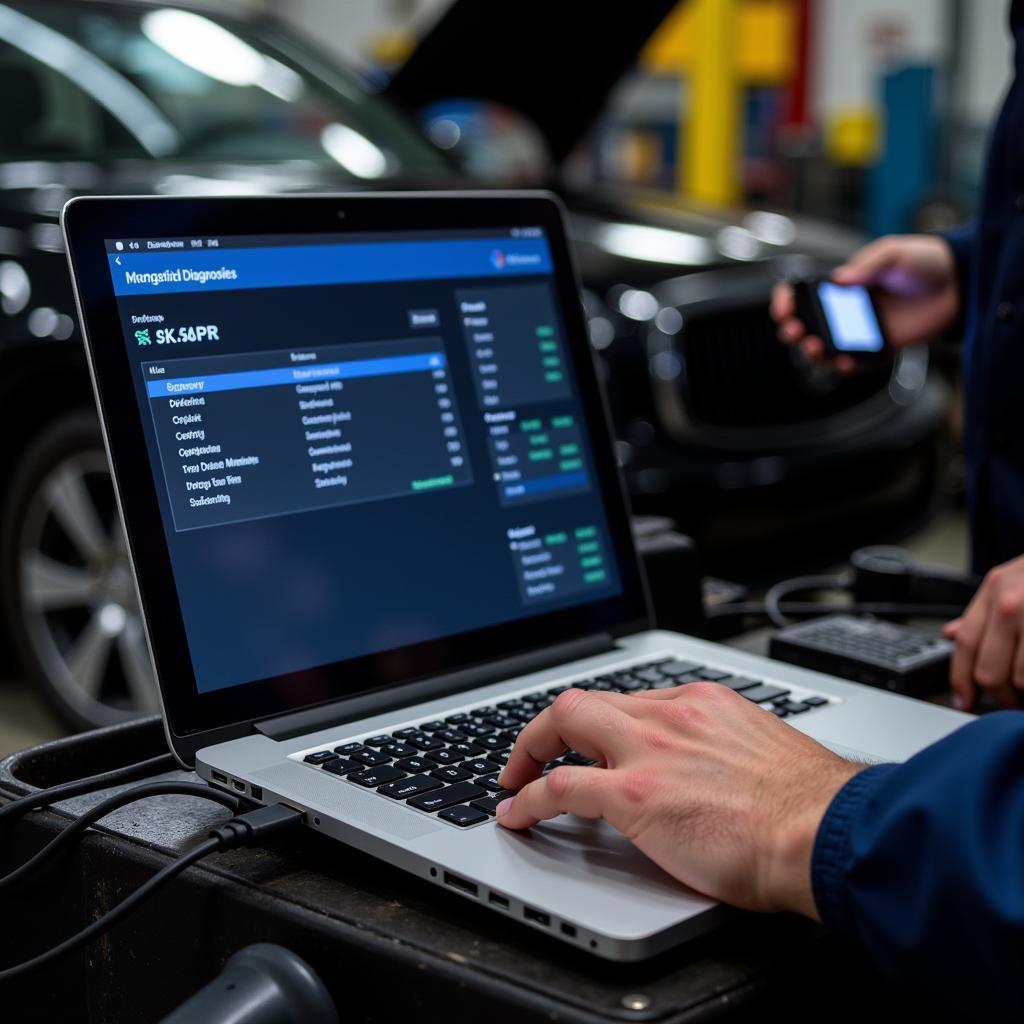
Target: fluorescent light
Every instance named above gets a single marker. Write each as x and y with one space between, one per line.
653 245
212 50
355 152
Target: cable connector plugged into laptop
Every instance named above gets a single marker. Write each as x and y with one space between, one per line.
257 825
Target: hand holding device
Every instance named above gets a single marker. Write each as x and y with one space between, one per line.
989 638
916 293
685 779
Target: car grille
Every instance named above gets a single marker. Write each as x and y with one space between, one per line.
739 375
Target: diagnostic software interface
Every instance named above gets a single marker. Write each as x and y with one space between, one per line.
359 442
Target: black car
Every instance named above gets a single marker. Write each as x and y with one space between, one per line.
719 426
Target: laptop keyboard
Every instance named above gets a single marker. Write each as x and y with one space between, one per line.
449 767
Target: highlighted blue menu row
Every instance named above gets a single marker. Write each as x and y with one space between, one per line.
209 383
203 270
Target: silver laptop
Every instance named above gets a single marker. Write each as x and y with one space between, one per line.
376 522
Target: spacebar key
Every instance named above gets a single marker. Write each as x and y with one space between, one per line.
447 797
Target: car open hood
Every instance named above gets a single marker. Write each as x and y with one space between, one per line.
554 61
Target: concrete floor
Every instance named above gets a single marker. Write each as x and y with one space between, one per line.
26 720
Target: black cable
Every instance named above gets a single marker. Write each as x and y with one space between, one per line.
244 830
33 801
101 810
772 599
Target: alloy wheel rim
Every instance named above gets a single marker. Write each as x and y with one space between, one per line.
80 611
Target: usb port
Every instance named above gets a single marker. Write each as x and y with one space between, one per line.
568 929
257 792
220 777
460 883
240 786
498 900
536 916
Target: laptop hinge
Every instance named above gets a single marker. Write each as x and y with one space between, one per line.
297 723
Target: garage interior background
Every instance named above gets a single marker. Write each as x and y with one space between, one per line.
774 126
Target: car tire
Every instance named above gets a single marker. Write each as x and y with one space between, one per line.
67 593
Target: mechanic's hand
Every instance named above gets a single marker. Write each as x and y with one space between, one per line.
716 790
989 639
918 294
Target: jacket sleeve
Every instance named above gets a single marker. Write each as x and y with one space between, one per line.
962 241
923 863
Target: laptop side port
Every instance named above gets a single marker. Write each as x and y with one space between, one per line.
220 777
240 786
470 888
498 900
568 929
257 792
537 916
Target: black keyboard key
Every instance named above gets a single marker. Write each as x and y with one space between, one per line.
466 749
348 748
374 777
377 741
463 816
739 683
341 766
489 804
649 675
493 742
480 766
444 756
711 675
450 735
678 668
511 734
371 758
815 702
574 757
779 712
599 685
491 783
535 698
509 705
413 786
414 764
794 707
423 742
477 729
435 726
402 734
451 773
500 721
524 716
447 797
457 719
558 690
487 709
398 749
668 683
762 692
320 756
499 756
630 685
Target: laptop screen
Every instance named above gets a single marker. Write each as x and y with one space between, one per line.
359 442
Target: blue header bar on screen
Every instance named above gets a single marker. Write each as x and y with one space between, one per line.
204 270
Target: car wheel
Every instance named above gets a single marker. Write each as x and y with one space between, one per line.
68 595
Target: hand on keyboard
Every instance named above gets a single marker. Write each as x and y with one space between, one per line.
724 797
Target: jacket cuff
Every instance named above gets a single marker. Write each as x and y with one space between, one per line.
832 856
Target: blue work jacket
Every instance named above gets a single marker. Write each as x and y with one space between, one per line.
990 261
923 864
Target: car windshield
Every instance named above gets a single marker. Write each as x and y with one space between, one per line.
82 80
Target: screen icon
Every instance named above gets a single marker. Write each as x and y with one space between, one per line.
142 337
119 246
